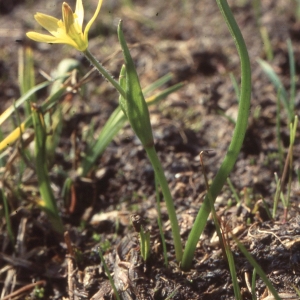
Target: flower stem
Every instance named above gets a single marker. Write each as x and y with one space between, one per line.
151 152
102 71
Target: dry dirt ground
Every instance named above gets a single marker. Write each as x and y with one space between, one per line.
189 39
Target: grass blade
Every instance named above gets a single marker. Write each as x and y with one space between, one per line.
8 112
237 138
47 202
223 237
273 77
26 75
157 84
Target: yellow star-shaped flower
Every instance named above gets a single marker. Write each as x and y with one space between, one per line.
67 31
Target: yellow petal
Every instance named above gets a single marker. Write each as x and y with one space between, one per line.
48 22
72 27
89 24
68 18
44 38
79 12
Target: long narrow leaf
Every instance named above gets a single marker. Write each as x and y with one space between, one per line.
232 269
157 84
163 94
134 105
136 110
273 77
8 112
26 75
237 138
47 202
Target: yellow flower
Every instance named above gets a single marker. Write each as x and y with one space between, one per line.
67 31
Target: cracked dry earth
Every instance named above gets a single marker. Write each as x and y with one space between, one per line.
190 40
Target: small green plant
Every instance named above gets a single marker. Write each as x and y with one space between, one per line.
144 236
39 292
134 106
236 142
47 118
135 109
256 4
287 99
287 172
145 243
266 42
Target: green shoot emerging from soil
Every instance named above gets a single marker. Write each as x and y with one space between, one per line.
45 122
237 138
134 107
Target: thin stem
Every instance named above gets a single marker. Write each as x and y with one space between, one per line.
159 222
102 70
159 173
237 138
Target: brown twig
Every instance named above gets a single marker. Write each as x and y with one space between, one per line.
24 289
70 265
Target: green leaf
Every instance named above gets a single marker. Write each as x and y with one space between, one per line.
135 107
237 138
47 202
